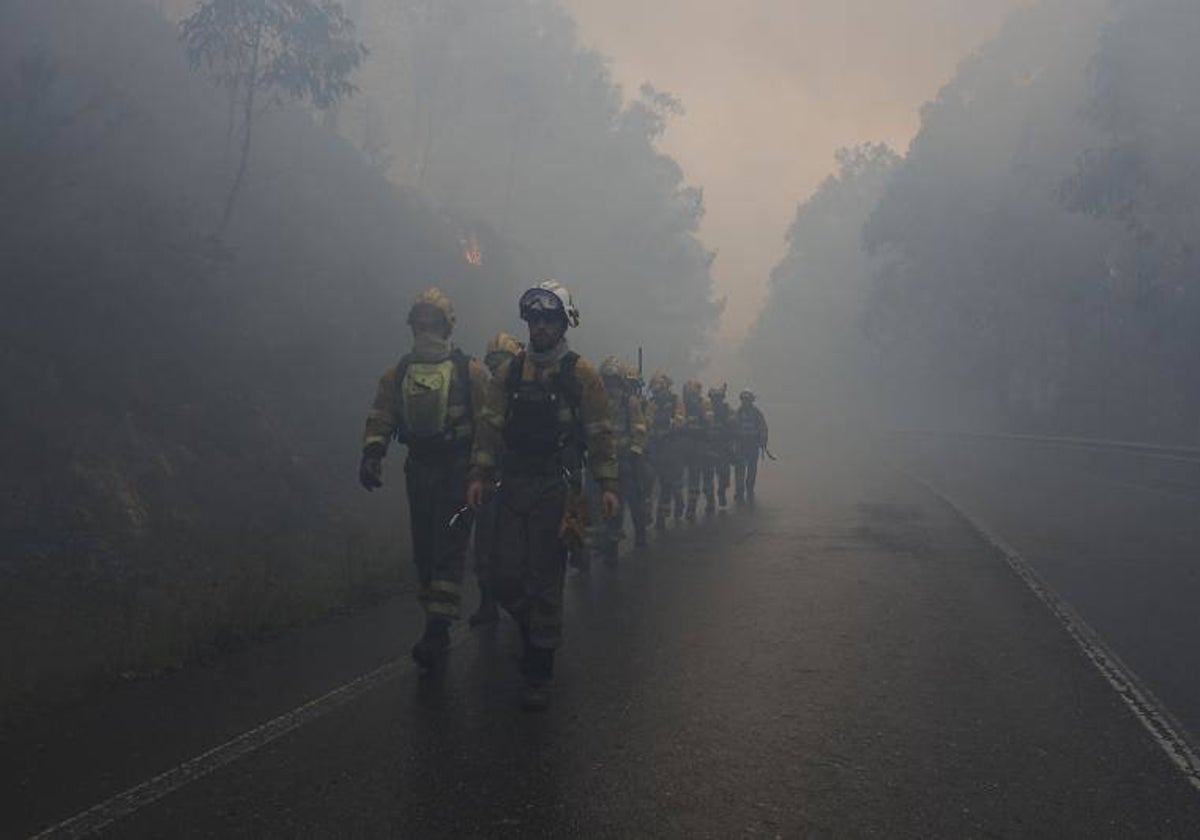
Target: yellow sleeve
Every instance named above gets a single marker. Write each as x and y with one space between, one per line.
597 425
381 418
480 386
639 430
489 424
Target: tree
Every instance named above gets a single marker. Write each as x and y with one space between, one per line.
267 53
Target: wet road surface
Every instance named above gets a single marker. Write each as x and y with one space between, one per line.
1115 534
846 659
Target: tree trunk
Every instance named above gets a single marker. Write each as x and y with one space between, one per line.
247 132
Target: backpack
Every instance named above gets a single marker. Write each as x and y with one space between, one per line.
423 396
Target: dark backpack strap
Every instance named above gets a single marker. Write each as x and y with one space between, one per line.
398 397
570 382
462 364
515 367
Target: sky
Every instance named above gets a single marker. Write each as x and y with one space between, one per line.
772 88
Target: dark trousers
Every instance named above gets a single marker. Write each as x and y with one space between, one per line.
667 462
485 540
529 558
436 491
746 470
699 468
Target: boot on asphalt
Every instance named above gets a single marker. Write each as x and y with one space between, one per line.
538 669
431 648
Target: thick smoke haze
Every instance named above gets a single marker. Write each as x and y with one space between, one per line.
772 88
193 320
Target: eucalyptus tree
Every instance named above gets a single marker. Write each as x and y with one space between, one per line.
266 54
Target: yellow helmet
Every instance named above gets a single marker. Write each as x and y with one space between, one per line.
660 382
500 349
434 298
612 367
502 342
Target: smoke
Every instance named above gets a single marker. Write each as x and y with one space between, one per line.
772 88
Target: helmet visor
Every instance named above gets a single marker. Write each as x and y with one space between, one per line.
541 302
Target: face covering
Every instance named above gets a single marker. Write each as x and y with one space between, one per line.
551 356
431 346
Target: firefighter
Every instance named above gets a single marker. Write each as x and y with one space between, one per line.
697 424
545 409
750 432
629 441
430 401
721 441
643 479
501 349
665 422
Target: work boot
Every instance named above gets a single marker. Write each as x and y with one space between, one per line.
678 508
691 510
539 668
709 507
487 612
433 644
722 498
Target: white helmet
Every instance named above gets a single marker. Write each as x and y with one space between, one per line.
549 296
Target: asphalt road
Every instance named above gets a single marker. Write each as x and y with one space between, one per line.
846 659
1116 534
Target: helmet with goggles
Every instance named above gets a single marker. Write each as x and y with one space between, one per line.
549 298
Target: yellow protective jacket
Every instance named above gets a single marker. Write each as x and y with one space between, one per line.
665 415
630 432
384 418
593 410
697 413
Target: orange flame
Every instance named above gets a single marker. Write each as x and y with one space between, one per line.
471 251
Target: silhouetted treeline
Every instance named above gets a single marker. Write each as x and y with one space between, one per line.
182 415
1032 261
193 315
493 109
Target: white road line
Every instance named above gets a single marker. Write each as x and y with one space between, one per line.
135 798
1166 731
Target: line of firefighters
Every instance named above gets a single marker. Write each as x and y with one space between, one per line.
531 448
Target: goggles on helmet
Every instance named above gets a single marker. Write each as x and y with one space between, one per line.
541 302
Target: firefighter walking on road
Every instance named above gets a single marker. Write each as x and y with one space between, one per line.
430 401
629 441
750 431
697 426
721 442
546 411
500 350
665 423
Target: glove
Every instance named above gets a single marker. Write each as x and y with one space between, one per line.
370 470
